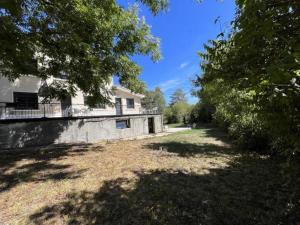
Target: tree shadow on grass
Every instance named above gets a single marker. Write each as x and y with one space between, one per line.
39 164
249 191
211 130
217 144
185 149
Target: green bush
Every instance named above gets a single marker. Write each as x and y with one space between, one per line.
201 113
249 133
252 77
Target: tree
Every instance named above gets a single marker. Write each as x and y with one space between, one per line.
252 77
88 41
201 113
168 115
178 113
154 99
178 96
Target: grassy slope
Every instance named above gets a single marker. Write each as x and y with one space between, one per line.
191 177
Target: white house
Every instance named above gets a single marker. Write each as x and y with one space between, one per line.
20 99
25 120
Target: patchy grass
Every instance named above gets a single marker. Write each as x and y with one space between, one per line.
191 177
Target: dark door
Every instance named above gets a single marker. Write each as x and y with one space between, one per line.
151 125
66 104
119 110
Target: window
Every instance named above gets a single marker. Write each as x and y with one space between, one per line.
85 100
24 100
122 124
130 103
97 105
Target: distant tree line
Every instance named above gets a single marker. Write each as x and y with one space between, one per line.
178 110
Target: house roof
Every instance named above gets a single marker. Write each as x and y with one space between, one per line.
126 90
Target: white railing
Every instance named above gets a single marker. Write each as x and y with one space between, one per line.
56 110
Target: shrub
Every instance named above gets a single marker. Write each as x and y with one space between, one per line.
201 113
249 133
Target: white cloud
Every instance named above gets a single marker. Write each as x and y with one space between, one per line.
183 65
169 84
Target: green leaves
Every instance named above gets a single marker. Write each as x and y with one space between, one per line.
12 7
156 5
252 76
178 97
87 40
154 99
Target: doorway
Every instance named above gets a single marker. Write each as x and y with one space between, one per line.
66 104
119 110
151 125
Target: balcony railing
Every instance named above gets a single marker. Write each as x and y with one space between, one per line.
57 110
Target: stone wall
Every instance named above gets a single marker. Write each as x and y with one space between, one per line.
16 134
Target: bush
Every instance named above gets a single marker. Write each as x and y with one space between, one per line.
201 113
249 133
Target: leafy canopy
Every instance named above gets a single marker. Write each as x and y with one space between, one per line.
179 110
87 41
154 99
252 78
178 96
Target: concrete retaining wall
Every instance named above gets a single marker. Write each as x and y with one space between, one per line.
87 130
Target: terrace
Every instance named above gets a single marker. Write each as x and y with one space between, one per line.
10 111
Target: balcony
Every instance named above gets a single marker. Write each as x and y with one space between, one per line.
9 111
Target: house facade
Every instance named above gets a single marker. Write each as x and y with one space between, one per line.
26 121
20 100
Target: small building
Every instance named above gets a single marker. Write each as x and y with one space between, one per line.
26 121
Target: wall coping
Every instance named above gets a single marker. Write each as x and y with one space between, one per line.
73 118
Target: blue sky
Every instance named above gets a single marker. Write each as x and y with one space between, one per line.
183 30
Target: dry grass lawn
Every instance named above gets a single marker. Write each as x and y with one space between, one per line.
191 177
